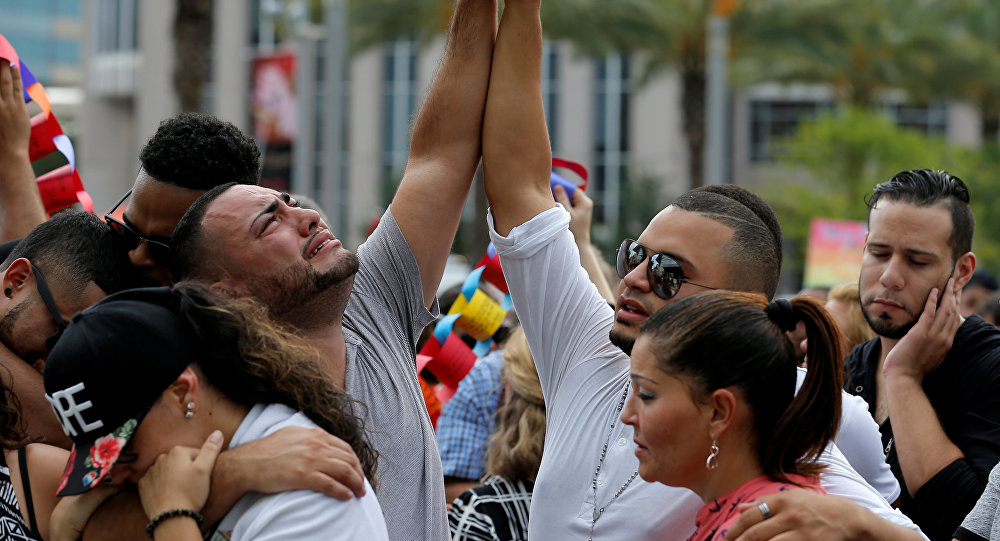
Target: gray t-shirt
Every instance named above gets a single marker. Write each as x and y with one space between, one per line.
983 522
382 321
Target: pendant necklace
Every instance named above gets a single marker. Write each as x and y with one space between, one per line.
604 451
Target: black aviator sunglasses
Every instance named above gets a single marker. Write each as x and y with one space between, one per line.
129 237
664 274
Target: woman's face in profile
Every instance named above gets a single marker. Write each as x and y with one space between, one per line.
670 429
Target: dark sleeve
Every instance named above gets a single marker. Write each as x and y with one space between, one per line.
946 498
942 503
965 535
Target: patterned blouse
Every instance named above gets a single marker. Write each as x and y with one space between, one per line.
715 518
12 524
495 511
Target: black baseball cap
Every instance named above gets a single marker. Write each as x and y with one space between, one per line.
106 371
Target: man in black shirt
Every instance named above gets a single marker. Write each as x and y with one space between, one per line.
934 374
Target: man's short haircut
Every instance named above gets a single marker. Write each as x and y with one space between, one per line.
188 259
753 255
756 204
75 248
199 152
923 188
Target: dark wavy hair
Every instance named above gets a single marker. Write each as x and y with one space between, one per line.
199 151
925 187
251 360
12 428
721 339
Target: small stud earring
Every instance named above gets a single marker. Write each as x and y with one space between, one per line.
8 292
190 410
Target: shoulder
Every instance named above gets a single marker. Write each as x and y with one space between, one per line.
304 514
45 467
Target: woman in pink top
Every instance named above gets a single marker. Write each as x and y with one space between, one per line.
713 400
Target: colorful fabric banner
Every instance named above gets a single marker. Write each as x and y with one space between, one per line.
61 187
833 255
477 313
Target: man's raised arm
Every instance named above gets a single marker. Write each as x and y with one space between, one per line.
517 158
445 147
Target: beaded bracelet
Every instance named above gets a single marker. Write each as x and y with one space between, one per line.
158 519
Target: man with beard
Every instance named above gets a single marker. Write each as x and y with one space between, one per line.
931 377
716 237
61 267
365 312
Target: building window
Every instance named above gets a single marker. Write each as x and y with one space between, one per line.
551 88
399 100
772 120
611 134
116 26
930 119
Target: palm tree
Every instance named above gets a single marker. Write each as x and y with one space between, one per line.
192 45
859 48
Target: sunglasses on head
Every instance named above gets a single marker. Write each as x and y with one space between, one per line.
664 274
129 237
50 303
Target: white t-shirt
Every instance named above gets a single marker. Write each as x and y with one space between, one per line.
583 376
301 514
859 440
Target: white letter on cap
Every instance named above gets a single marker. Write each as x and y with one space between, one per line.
71 409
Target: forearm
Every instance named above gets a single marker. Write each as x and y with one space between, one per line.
921 444
20 201
450 120
871 526
517 157
121 518
227 488
445 147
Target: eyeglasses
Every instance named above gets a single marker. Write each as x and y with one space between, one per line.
665 275
129 237
50 303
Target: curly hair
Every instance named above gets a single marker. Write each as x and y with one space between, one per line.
515 448
251 360
199 151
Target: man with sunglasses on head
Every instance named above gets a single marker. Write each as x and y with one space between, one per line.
81 266
716 237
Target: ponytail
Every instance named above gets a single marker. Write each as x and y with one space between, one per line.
808 424
250 360
721 339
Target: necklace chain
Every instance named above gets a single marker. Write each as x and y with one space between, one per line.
600 464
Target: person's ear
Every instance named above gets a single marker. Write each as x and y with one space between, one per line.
964 267
183 394
15 278
228 287
721 409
